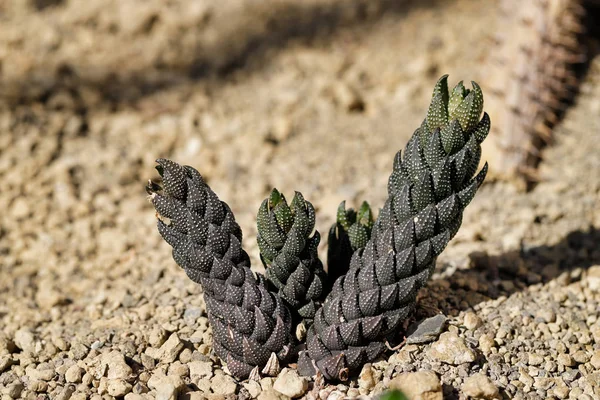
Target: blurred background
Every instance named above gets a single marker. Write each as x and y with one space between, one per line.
308 95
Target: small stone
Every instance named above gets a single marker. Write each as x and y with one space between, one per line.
166 391
570 375
5 362
118 387
20 208
43 372
204 385
266 383
472 321
74 374
253 388
546 315
595 360
565 360
134 396
479 386
336 395
78 351
451 349
561 390
593 278
223 384
366 380
290 383
66 393
115 364
427 330
271 395
486 343
200 369
13 390
169 351
422 385
535 359
24 340
192 314
581 357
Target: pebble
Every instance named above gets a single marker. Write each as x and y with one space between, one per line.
223 384
74 374
581 357
43 372
170 349
13 390
486 343
5 362
451 349
427 330
480 386
115 365
535 359
118 387
593 278
24 340
290 383
200 369
166 391
565 360
271 395
594 361
366 380
422 385
472 321
253 388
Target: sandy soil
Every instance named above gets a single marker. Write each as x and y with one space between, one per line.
315 96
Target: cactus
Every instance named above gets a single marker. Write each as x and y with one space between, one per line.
379 266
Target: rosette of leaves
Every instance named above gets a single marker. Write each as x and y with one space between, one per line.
350 232
251 326
430 186
289 252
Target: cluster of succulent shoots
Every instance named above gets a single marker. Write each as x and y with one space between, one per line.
351 313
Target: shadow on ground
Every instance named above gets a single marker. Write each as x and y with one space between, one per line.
284 22
493 276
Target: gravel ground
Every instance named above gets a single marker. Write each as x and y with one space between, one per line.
312 96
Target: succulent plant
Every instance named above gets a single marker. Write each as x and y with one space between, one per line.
289 253
350 232
533 75
427 192
250 324
389 260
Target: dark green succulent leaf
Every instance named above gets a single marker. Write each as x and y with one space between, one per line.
437 114
483 128
364 215
456 98
283 214
453 137
470 109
